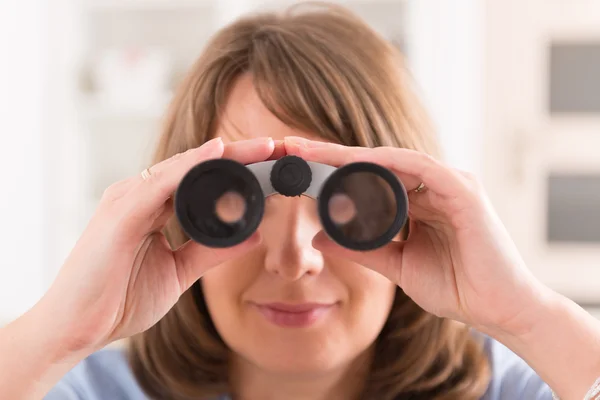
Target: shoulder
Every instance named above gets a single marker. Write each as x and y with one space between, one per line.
512 377
106 375
103 375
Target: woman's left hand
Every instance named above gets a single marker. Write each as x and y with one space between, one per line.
458 261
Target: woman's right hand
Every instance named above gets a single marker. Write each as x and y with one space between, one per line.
122 276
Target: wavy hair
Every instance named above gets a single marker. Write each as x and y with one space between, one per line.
323 70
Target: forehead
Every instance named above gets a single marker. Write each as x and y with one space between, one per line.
246 117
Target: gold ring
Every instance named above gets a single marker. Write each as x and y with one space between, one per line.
146 174
420 188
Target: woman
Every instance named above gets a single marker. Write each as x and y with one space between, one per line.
449 312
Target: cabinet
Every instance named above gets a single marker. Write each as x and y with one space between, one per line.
542 135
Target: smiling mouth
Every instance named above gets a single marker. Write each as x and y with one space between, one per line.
294 315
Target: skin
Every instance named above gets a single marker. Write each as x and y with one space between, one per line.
459 262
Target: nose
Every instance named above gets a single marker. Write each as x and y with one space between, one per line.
289 225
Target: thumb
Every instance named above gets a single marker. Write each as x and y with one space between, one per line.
386 260
193 259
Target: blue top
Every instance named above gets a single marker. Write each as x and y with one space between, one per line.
106 375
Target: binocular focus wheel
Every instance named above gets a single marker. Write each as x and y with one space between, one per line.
291 176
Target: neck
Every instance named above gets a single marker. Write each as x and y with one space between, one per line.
250 382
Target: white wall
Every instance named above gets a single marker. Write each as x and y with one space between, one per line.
41 137
22 90
446 54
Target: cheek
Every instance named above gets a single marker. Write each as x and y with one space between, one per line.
370 298
224 287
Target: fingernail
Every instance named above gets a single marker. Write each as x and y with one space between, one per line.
257 141
212 144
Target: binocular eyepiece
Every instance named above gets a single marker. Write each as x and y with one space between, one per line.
221 202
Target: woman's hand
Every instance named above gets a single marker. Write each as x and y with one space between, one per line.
122 276
458 262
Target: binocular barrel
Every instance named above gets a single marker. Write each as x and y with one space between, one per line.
221 203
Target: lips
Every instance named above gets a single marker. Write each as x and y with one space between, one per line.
294 315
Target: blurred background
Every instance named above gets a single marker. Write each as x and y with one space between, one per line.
513 86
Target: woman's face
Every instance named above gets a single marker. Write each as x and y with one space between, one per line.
285 307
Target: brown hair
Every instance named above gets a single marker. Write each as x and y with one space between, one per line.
324 71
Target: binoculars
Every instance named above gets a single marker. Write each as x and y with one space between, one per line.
221 202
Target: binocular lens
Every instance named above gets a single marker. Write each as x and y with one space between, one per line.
362 206
342 209
219 203
230 207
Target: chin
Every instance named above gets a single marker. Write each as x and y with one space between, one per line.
298 361
298 351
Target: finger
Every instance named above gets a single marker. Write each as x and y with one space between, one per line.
151 193
163 216
332 154
249 151
425 207
386 260
278 151
411 166
193 259
337 155
118 189
416 167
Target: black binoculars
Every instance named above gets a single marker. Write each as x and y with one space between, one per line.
221 202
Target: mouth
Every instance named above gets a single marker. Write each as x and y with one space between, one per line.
294 315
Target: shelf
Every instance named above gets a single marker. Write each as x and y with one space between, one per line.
93 108
141 5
